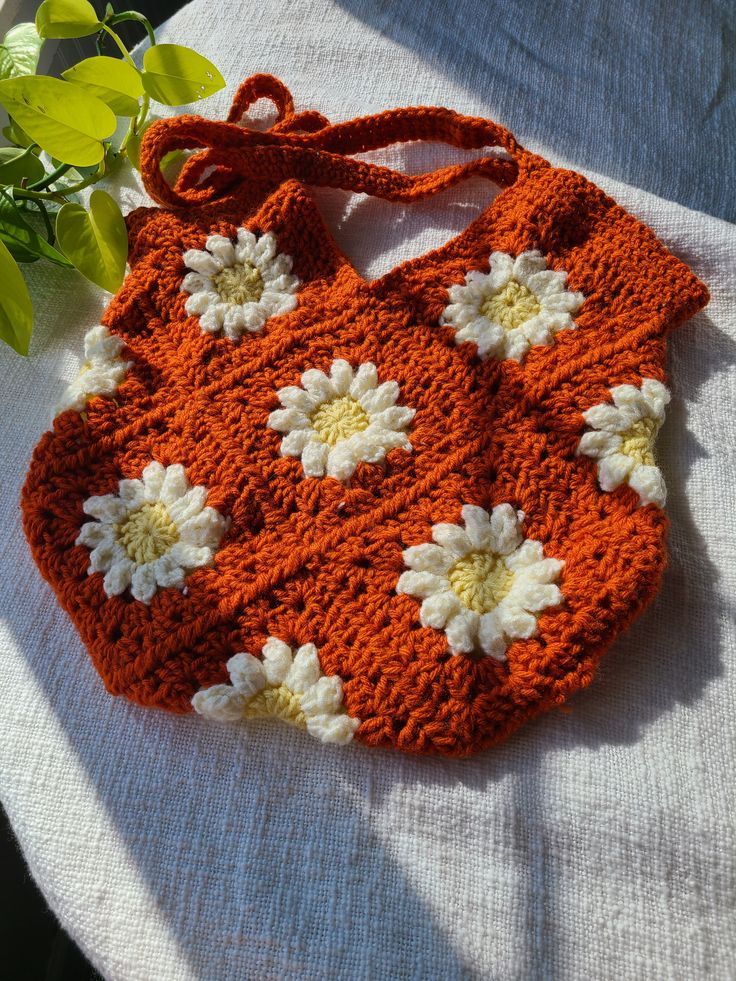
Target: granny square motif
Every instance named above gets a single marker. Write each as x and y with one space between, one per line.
413 511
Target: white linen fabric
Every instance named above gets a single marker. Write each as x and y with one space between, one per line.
598 842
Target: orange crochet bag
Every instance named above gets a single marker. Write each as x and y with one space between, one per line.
413 511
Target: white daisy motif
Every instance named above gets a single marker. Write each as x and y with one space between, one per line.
151 533
283 685
622 436
484 585
237 286
518 303
101 373
335 421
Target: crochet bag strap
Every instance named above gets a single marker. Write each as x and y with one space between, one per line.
307 147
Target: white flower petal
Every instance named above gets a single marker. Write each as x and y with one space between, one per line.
610 418
613 470
314 458
188 506
202 262
304 671
366 379
515 621
453 538
107 508
319 385
341 375
117 578
153 479
477 525
534 596
421 584
277 659
437 609
527 264
462 632
380 398
248 674
491 637
143 583
649 484
284 420
222 249
175 484
293 397
220 702
294 443
505 524
322 697
341 461
597 443
338 729
94 533
428 558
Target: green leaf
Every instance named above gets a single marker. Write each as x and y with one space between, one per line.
174 75
63 119
23 243
116 82
66 18
96 241
19 51
14 134
15 164
16 310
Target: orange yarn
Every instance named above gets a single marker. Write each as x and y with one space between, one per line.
317 559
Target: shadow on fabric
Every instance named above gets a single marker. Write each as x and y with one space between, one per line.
641 92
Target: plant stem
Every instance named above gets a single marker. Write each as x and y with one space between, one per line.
135 123
124 51
133 15
60 196
47 221
49 179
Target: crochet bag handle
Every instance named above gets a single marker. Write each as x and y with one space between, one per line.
306 146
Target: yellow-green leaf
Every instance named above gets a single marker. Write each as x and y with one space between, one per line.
15 164
66 18
174 75
22 241
19 51
14 134
64 120
96 241
116 82
16 310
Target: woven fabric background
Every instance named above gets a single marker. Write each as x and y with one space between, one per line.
599 842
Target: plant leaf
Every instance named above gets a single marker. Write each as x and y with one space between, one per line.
66 18
22 241
63 119
175 75
96 241
16 310
14 134
15 164
19 51
116 82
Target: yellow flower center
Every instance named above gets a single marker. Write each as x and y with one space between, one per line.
241 283
148 533
481 580
512 306
638 441
339 419
279 703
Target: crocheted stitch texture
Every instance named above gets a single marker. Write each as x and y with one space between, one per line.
347 470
